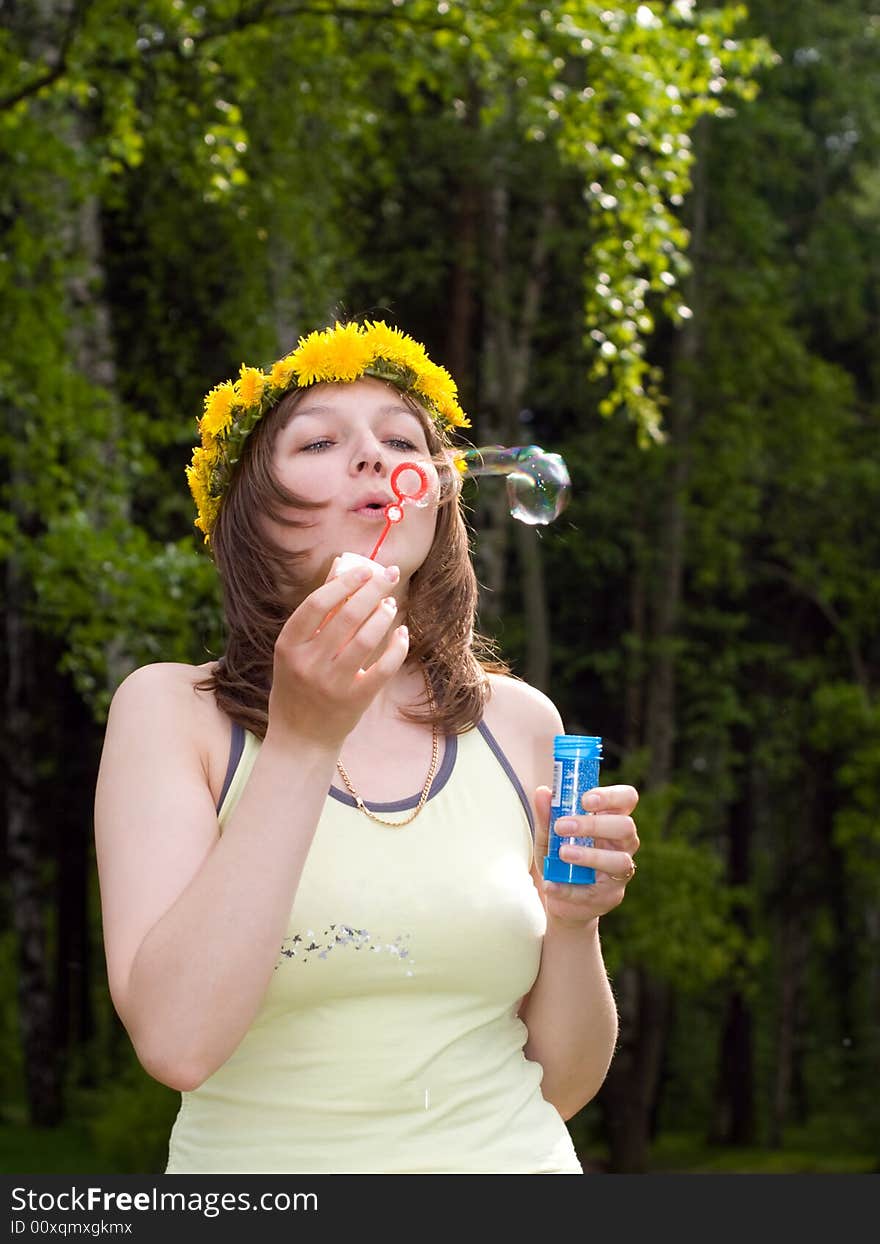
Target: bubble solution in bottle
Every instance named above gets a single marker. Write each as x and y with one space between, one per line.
576 759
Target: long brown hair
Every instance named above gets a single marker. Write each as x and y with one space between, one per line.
259 579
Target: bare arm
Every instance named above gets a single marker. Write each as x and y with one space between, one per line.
570 1011
571 1016
193 921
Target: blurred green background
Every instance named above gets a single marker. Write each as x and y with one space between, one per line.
644 236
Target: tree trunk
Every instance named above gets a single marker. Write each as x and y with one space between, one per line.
534 594
734 1121
634 685
509 346
26 853
629 1096
801 889
92 347
465 248
793 952
75 742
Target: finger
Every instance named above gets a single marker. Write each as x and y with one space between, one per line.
618 863
621 830
610 799
355 625
337 607
371 679
309 615
367 636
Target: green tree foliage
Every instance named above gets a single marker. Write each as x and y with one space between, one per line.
189 185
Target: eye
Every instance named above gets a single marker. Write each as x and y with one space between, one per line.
399 443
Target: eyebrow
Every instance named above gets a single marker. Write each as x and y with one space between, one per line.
395 408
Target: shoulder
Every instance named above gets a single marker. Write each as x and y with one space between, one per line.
524 722
530 709
162 688
165 699
163 682
166 674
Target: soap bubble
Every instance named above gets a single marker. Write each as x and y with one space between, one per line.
538 482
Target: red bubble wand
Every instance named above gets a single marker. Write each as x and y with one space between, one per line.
394 509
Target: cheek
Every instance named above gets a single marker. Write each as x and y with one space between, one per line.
308 477
433 494
427 521
427 507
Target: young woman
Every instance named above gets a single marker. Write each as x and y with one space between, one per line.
319 856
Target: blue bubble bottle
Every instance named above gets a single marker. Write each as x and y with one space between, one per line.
576 760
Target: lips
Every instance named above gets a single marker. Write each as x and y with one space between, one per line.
375 501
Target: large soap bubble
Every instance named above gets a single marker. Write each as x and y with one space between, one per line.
538 482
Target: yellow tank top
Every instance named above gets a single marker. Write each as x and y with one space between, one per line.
388 1039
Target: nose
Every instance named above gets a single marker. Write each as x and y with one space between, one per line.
369 458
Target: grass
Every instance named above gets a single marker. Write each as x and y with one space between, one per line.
674 1153
64 1150
69 1150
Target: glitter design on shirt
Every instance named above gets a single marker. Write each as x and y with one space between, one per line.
305 946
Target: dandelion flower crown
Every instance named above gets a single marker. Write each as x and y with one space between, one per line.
340 354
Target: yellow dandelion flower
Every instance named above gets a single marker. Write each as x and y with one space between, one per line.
282 372
249 386
385 342
206 519
309 359
218 411
348 353
460 463
437 385
456 416
198 476
412 354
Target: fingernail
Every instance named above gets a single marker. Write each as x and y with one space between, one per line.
392 573
403 632
565 828
592 800
390 603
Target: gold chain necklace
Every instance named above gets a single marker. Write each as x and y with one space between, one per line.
426 789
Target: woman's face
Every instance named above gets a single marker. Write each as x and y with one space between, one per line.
339 447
